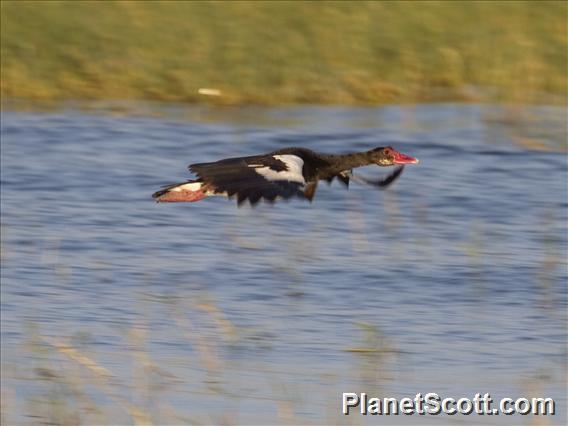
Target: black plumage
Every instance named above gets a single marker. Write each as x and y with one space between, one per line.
238 176
286 173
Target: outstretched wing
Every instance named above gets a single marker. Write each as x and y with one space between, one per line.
254 178
384 182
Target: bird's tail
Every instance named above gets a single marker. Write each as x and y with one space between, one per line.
189 191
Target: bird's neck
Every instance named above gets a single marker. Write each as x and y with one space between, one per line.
338 163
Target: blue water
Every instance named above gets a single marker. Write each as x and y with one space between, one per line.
453 281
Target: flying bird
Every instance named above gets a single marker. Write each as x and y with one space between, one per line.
286 173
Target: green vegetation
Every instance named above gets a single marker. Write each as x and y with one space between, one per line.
285 52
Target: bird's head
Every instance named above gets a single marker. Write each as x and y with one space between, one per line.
388 156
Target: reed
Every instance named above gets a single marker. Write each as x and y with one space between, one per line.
285 52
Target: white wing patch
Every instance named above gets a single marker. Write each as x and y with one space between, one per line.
293 163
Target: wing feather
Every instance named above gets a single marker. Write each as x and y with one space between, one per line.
254 178
384 182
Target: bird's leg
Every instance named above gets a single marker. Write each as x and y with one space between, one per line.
310 190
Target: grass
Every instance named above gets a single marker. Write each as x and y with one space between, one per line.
284 52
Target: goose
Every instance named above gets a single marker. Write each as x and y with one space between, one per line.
282 174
